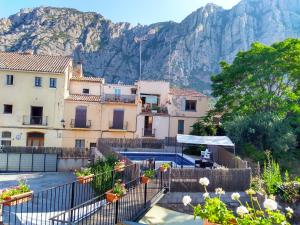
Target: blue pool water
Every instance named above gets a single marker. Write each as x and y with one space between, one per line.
163 157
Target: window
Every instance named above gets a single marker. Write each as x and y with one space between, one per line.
8 109
52 83
38 82
9 79
180 129
118 91
85 91
118 119
79 143
190 105
133 91
5 143
6 134
80 117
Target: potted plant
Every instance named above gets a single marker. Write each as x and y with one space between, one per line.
84 175
120 166
147 176
164 167
16 195
117 192
215 211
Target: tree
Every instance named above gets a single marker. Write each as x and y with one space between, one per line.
262 79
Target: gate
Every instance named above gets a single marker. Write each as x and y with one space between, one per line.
28 162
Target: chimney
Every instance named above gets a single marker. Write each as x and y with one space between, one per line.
28 52
77 70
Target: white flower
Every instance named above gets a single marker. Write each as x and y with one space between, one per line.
186 200
289 210
219 191
235 196
204 181
241 210
270 204
206 195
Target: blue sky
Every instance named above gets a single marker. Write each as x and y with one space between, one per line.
134 11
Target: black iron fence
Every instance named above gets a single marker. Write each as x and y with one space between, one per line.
47 203
128 208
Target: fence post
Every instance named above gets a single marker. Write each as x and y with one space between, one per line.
161 179
72 200
117 211
145 195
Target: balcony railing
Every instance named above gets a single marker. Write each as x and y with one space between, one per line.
35 120
119 98
80 124
154 109
148 132
113 126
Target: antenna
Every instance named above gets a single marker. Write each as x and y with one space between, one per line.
170 60
140 40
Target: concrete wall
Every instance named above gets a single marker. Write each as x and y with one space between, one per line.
71 164
125 89
76 87
188 122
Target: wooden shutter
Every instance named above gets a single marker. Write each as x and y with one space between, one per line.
80 116
118 119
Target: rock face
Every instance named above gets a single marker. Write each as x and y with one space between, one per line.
187 53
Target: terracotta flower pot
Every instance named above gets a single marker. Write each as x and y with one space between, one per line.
145 180
111 197
18 199
163 169
85 179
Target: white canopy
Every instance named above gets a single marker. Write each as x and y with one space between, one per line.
204 140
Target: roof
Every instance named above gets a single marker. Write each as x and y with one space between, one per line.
88 79
84 98
204 140
33 62
186 92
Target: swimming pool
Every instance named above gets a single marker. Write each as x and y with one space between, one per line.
159 157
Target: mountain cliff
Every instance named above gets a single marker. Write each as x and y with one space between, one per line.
187 53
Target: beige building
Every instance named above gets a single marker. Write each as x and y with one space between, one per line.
32 98
47 101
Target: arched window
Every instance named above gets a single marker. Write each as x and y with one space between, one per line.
6 134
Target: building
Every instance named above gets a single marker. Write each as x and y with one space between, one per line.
47 101
32 98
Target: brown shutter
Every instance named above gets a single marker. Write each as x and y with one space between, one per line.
80 116
118 119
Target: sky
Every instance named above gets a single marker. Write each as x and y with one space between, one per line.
133 11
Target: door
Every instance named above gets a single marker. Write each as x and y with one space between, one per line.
80 117
35 139
118 119
148 126
180 129
36 116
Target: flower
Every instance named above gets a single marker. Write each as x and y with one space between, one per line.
270 204
250 192
241 210
235 196
289 210
206 195
219 191
186 200
204 181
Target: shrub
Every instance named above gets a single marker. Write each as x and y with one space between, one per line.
289 191
194 150
149 173
271 175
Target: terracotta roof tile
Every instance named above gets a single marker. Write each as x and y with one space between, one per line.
33 62
84 98
89 79
185 92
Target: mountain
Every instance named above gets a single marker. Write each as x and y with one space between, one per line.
190 51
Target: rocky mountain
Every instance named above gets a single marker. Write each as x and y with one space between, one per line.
187 53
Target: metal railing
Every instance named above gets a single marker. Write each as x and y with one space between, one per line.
79 124
119 98
35 120
148 132
113 126
48 203
128 208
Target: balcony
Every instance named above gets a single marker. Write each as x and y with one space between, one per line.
80 124
35 120
114 126
148 132
146 108
119 98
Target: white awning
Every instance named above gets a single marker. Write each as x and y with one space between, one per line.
204 140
